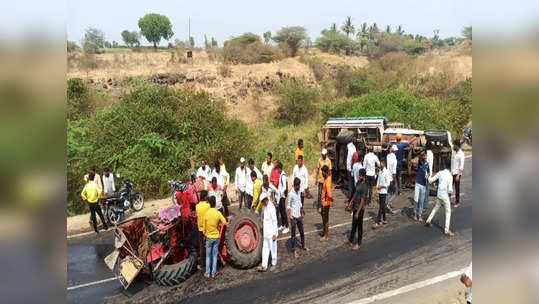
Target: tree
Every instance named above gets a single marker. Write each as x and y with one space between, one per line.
334 41
333 27
267 37
191 42
399 30
388 29
107 45
467 32
348 27
213 42
94 39
206 43
155 27
293 36
114 44
131 39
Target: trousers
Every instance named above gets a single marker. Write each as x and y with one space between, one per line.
269 246
419 199
447 206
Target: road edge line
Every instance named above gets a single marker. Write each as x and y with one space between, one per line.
69 288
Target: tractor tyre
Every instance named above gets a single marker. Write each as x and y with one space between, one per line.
244 239
170 275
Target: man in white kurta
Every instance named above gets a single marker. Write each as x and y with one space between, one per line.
270 233
445 188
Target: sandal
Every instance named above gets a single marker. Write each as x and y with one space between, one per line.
261 269
375 226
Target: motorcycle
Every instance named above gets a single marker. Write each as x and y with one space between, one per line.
467 136
115 206
176 186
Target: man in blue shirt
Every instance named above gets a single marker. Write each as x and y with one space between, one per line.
400 146
420 186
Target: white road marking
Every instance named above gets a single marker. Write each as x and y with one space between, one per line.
408 288
80 234
468 156
90 284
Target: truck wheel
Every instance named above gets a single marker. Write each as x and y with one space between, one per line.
174 274
244 239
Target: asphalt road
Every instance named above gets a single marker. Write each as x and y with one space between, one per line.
396 255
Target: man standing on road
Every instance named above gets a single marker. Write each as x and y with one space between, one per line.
240 181
268 190
270 231
222 180
323 161
300 171
457 166
282 189
382 184
421 177
201 209
327 198
108 183
274 175
392 168
91 193
445 187
351 150
358 202
204 172
267 166
430 161
257 185
215 190
296 215
213 219
249 183
299 150
400 151
370 162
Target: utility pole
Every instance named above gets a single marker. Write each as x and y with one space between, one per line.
189 38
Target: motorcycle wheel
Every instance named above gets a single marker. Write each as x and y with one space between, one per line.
173 197
138 202
113 217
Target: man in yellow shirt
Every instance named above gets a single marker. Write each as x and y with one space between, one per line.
322 161
299 150
201 207
257 184
213 219
91 193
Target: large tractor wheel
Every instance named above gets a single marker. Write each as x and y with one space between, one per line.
244 239
174 274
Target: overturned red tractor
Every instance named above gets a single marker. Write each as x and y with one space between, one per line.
165 248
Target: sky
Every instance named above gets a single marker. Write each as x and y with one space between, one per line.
223 19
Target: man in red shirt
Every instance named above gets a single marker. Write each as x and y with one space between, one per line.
274 176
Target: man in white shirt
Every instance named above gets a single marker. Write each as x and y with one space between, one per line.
382 184
249 183
97 179
108 182
205 172
222 180
351 150
445 187
296 215
392 168
300 171
457 166
282 191
267 166
270 232
430 161
370 162
240 181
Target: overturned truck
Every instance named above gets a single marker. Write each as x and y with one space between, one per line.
379 134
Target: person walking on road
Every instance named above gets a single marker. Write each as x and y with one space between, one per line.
370 162
351 149
270 231
445 188
91 193
299 150
457 166
296 215
382 184
282 190
240 181
257 185
213 220
327 199
108 183
267 166
204 171
421 177
201 207
392 168
323 161
300 171
358 203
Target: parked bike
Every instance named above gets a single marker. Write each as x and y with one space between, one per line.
114 206
467 136
176 186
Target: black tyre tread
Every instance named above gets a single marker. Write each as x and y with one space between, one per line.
235 257
170 275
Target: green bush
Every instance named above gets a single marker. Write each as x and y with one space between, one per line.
78 101
412 46
148 137
248 49
359 82
296 101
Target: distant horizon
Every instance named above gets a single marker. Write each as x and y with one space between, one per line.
225 20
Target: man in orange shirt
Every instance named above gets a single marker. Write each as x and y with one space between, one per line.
327 198
299 150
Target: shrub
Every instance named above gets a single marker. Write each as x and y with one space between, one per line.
393 61
248 49
359 82
78 103
431 84
412 46
224 70
317 65
296 101
334 41
461 92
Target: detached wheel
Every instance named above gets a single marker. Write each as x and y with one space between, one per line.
113 217
174 274
138 202
244 239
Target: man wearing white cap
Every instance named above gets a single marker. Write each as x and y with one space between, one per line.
392 168
270 231
322 161
240 181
